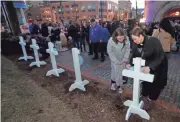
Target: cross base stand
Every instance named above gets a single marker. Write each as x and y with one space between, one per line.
25 58
55 72
136 110
79 85
38 64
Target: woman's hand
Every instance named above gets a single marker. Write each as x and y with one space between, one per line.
122 62
128 66
146 69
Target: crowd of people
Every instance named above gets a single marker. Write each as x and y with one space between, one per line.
150 42
75 34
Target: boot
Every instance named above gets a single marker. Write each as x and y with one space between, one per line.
148 104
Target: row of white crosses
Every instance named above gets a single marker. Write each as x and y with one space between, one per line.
37 62
79 84
134 106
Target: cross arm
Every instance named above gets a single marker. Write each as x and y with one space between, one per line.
138 75
51 51
34 46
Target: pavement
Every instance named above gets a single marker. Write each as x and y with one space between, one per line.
100 72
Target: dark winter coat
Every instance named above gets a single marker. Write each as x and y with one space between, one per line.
73 31
152 52
35 29
55 35
44 30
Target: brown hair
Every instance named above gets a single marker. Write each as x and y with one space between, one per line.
137 32
118 32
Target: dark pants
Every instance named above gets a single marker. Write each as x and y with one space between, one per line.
89 44
82 43
177 49
168 55
76 42
101 49
95 49
105 48
153 89
149 89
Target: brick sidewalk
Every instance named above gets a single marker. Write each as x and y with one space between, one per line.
100 72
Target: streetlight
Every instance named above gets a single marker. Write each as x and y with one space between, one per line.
177 13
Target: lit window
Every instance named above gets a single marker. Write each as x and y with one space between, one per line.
83 8
91 7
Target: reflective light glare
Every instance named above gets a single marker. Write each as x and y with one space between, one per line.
142 20
177 13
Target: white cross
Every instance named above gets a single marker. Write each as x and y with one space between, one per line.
23 44
59 47
78 82
53 53
134 105
35 48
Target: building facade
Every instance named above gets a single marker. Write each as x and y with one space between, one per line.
46 13
156 10
82 10
124 10
35 3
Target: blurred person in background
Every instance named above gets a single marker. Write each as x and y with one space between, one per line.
95 38
105 36
165 34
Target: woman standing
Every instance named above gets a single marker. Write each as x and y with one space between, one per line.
118 49
165 35
150 49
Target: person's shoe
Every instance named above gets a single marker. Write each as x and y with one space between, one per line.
120 90
102 60
95 58
148 103
144 99
90 53
113 86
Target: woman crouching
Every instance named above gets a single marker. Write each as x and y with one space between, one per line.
150 49
118 49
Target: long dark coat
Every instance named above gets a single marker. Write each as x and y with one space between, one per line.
152 52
